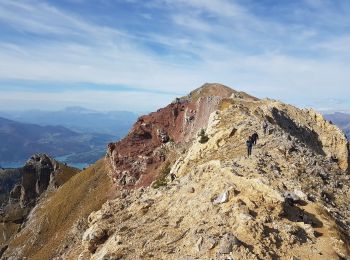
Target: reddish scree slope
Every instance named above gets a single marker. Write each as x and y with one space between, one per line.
135 160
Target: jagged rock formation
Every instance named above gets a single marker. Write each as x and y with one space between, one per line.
181 198
312 129
23 187
58 220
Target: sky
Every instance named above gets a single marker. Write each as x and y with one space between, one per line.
139 55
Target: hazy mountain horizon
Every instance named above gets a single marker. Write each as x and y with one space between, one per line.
77 118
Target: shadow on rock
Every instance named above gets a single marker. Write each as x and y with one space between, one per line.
303 134
296 214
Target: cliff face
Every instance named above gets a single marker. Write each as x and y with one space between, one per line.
24 186
184 196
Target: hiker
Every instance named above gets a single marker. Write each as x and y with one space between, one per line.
172 176
264 126
249 144
255 138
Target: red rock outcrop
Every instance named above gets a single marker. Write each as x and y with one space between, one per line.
135 160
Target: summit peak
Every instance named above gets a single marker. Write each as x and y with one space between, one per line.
216 89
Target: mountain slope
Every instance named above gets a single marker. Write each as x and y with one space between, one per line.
183 196
20 140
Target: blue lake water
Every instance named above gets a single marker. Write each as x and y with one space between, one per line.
60 159
12 164
76 165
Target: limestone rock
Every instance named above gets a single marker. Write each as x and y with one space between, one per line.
191 190
227 243
222 198
291 197
94 236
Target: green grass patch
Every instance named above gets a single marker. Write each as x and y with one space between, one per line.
162 180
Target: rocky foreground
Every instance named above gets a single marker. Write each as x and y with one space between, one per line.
172 194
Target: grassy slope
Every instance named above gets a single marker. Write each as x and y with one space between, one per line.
65 173
82 194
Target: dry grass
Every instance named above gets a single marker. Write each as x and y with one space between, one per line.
7 230
82 194
164 172
64 174
225 104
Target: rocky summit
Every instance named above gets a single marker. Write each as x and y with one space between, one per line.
180 185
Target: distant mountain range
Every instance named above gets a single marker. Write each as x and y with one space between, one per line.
78 119
340 119
21 140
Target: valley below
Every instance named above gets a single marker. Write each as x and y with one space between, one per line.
75 136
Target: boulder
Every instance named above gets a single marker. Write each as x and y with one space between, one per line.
94 236
227 242
222 198
291 198
162 136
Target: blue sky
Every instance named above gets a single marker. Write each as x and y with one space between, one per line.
139 55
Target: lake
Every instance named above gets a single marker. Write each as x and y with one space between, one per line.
62 159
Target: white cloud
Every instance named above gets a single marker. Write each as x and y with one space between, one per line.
190 22
217 7
234 47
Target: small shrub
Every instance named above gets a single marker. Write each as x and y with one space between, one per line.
166 169
159 183
225 104
162 180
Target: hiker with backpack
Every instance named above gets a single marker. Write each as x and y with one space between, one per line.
249 144
255 138
265 126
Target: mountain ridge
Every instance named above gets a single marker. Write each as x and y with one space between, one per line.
173 194
341 119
